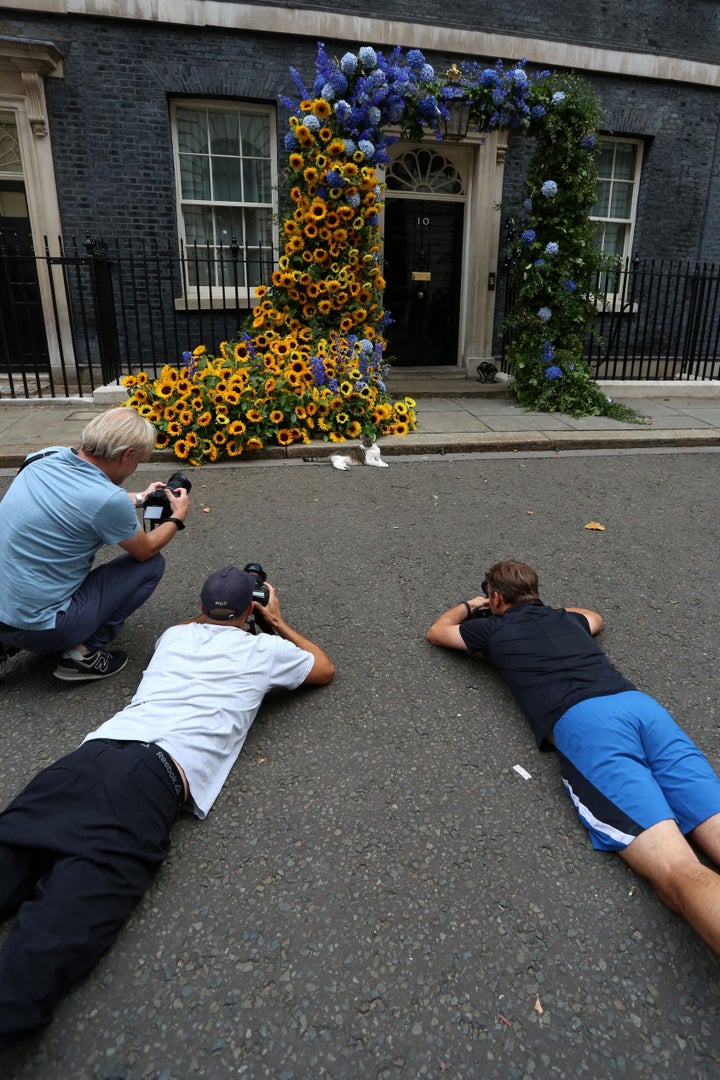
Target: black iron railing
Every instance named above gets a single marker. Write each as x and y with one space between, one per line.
79 315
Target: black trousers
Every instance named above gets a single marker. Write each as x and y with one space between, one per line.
78 848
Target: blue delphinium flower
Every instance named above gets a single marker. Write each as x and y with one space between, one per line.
528 236
558 97
570 285
549 189
338 82
349 63
544 314
187 357
318 370
334 385
368 57
290 142
552 248
342 110
587 142
553 372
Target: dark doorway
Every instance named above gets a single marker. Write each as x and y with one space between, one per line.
23 343
423 272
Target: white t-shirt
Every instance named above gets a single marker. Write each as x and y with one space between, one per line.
199 695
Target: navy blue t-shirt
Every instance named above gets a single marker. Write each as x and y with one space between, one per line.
547 657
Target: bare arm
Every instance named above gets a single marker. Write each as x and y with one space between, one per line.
143 545
323 668
445 630
595 621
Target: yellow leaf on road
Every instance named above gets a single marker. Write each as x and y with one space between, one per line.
595 525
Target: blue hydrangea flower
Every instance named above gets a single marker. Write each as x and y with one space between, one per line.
570 285
311 122
366 346
349 63
544 314
552 248
427 72
334 178
537 112
350 147
374 115
290 142
539 262
353 200
558 97
527 205
528 236
549 189
518 76
327 92
338 82
367 147
489 77
415 59
342 110
588 142
548 353
554 372
368 57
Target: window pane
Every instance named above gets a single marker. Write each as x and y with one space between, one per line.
228 224
198 272
231 272
256 175
600 209
191 131
621 201
194 177
258 225
614 239
256 136
227 186
224 133
198 225
625 157
605 159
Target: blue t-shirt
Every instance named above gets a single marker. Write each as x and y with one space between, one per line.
547 657
56 514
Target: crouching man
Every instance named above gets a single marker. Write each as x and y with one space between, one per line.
639 784
79 845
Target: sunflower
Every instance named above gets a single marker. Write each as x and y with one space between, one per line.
277 416
233 447
174 428
304 136
311 175
128 381
334 437
401 428
284 436
325 307
318 209
161 440
296 161
296 194
354 429
325 134
254 416
254 443
199 351
321 108
336 148
181 448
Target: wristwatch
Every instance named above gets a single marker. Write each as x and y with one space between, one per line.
177 522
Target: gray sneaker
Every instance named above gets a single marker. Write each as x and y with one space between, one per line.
100 664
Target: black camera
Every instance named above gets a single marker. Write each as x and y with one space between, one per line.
260 593
156 507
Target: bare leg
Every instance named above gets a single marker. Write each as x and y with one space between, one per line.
707 837
663 856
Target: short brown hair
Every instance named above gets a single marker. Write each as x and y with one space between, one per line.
516 582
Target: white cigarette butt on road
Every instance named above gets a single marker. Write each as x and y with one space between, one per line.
523 772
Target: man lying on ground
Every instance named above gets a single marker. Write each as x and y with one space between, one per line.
639 784
79 846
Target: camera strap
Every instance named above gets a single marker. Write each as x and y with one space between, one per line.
35 457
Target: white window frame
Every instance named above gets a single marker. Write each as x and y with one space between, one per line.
217 296
629 222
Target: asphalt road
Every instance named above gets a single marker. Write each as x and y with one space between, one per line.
377 892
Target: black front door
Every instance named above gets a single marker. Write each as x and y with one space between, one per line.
423 274
23 343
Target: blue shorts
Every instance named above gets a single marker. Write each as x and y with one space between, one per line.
627 765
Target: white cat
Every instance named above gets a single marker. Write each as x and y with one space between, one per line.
368 453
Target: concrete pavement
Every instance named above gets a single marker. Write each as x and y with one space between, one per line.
454 415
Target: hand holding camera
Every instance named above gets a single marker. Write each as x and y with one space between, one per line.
163 503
